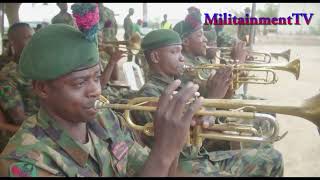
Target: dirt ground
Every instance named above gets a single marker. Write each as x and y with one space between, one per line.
301 147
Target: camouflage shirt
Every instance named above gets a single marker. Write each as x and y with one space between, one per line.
225 40
108 23
243 31
264 161
193 76
42 147
128 27
16 91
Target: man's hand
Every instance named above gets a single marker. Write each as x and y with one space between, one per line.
172 122
238 52
218 83
173 118
116 56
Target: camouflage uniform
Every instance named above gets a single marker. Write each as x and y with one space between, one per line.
128 31
218 163
225 40
108 24
46 149
15 91
195 61
64 18
244 30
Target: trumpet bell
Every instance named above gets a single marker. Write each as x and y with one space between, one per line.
284 54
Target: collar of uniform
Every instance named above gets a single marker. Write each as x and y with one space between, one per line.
59 135
190 56
159 77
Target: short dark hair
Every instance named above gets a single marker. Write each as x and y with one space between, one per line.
17 25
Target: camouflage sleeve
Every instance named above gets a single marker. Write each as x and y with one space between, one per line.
13 168
137 156
117 95
10 97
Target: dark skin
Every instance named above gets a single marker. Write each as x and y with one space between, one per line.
131 11
63 7
70 99
211 52
167 61
111 70
18 39
239 53
217 84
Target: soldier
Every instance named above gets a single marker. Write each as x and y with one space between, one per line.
165 24
194 51
69 137
244 30
17 101
63 16
165 61
108 23
128 29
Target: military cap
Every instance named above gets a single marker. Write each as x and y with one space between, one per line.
56 50
210 35
191 24
160 38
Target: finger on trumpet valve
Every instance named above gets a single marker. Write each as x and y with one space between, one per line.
196 95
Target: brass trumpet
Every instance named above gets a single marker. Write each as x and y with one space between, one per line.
253 56
134 44
284 54
292 67
308 109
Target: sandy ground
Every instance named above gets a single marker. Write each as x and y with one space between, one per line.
301 147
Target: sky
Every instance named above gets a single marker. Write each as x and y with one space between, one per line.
175 11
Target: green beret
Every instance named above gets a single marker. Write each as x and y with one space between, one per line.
210 35
56 50
160 38
185 29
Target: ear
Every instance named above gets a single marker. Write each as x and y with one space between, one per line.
154 55
41 88
185 42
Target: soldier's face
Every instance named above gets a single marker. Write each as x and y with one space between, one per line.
197 43
72 96
131 11
20 39
171 60
63 6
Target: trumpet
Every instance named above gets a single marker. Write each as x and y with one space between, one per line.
284 54
292 67
308 109
131 46
253 56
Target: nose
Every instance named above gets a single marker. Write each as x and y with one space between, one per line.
181 58
94 89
